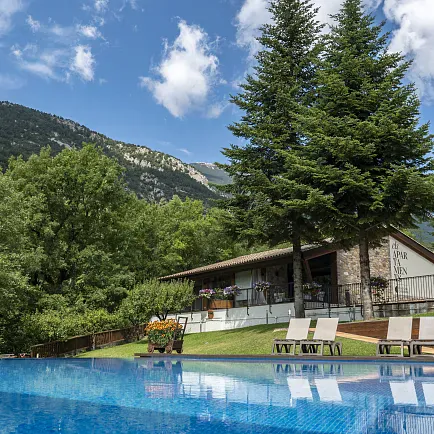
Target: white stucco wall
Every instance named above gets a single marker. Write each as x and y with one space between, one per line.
237 317
405 262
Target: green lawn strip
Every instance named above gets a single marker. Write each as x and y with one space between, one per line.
249 340
422 314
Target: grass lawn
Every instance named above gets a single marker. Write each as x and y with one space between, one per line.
249 340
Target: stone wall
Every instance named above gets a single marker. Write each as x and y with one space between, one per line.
348 267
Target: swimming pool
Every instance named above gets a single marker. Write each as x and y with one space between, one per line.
223 396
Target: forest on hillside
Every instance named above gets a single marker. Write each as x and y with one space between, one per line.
150 174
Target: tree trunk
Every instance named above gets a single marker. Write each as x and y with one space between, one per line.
298 276
365 276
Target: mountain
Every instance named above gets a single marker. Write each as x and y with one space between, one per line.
214 174
152 175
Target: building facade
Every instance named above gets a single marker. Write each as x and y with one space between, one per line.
405 267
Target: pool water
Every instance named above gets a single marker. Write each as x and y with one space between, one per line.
224 396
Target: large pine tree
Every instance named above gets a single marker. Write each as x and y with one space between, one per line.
269 204
372 154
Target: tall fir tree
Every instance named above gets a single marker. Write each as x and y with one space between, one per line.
269 205
371 154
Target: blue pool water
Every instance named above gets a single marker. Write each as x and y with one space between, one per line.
192 396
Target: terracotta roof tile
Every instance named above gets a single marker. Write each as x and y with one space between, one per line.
241 260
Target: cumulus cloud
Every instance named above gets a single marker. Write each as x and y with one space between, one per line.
414 37
8 8
252 15
83 63
186 73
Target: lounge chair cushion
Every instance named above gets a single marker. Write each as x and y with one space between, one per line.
399 329
326 329
298 329
426 328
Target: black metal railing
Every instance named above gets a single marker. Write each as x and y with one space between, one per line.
405 290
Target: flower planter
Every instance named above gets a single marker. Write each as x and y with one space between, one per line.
175 345
159 333
221 304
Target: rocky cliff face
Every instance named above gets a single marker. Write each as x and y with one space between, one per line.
152 175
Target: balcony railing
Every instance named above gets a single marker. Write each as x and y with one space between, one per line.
404 290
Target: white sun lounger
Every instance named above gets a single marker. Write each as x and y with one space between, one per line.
298 330
299 388
426 336
428 393
324 336
403 392
328 390
398 335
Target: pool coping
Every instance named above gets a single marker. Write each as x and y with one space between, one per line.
288 358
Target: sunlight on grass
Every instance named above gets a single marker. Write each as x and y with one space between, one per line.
249 340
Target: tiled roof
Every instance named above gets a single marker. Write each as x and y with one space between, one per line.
241 260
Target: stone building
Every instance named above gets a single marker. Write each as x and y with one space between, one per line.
405 266
336 271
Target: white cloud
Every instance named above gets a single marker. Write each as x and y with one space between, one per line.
185 151
414 37
83 62
48 64
252 15
186 73
90 32
133 4
63 51
38 68
35 25
102 81
61 32
16 51
101 5
215 110
8 8
7 82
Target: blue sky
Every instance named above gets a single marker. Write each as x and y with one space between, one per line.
159 73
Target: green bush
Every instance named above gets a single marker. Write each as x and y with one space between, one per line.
53 325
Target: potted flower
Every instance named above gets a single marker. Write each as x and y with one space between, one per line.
162 335
262 286
208 294
379 286
224 298
312 289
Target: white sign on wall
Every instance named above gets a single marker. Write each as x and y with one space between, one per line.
405 262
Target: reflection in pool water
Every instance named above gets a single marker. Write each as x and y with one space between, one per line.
188 396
